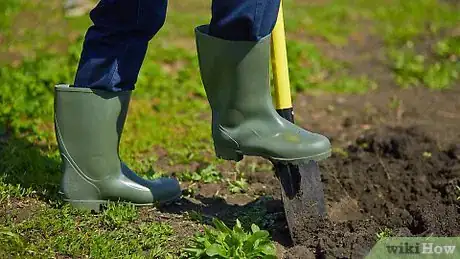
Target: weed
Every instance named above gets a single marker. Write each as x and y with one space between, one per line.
408 67
238 186
448 48
207 175
340 151
223 242
441 75
190 191
427 154
8 191
395 103
413 69
384 233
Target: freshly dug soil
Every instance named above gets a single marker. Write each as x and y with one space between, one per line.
394 178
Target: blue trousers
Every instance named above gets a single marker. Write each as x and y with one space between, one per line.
116 44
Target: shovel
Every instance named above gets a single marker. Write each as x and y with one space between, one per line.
302 191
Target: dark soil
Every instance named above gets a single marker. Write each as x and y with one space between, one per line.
396 178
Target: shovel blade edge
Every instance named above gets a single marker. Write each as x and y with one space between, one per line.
303 197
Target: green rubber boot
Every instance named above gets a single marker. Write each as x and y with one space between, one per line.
235 76
88 125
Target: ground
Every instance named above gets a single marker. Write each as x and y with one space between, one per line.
380 78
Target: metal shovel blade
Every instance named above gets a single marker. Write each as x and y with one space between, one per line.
303 196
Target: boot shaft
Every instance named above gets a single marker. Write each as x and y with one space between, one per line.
89 125
235 75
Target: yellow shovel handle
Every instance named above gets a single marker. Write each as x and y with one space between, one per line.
280 64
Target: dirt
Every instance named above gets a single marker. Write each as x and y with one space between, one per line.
18 210
344 117
393 177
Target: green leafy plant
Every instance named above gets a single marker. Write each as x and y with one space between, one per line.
441 74
407 66
427 154
449 47
238 186
413 69
384 233
223 242
208 175
8 190
340 151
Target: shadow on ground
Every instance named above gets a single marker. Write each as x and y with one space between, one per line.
32 166
265 211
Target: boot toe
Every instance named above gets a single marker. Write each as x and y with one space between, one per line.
300 146
317 147
162 190
165 190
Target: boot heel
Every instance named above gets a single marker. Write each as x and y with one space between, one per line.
228 154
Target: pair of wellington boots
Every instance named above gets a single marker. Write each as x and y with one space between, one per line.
235 74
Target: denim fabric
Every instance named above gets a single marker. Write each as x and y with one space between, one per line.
116 43
245 20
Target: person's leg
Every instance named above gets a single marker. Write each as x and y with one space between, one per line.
243 20
115 45
89 118
234 58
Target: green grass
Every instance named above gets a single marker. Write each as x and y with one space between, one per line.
398 24
8 9
309 69
67 232
438 72
169 108
333 20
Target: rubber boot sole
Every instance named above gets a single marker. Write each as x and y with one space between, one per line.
237 155
97 205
